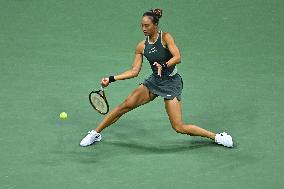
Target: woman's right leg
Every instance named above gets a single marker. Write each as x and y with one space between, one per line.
138 97
141 95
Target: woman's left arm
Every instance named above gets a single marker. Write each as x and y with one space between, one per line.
170 43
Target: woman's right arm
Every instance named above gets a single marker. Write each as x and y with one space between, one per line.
135 69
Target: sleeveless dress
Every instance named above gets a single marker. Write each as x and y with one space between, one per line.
170 84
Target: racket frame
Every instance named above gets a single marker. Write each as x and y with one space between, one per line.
101 93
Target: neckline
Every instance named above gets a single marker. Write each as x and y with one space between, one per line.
155 40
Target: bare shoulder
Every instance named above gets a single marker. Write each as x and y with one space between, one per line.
167 37
140 47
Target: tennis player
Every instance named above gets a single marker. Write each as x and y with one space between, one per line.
163 55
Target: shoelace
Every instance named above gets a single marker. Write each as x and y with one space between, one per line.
91 134
97 135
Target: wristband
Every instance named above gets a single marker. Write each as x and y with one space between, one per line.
164 65
111 79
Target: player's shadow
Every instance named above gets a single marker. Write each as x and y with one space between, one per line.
174 147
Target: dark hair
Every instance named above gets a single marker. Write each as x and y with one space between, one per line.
156 14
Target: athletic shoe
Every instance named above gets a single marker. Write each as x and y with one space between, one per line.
91 137
224 139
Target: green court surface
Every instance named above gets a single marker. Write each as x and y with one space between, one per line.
53 53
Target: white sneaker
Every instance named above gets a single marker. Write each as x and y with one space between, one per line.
91 137
224 139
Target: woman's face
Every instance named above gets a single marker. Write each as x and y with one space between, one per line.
148 27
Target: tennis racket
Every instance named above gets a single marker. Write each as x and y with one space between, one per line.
98 101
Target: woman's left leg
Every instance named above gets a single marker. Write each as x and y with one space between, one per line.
173 108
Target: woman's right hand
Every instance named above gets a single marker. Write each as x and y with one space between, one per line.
105 82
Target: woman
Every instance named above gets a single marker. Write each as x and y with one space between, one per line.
162 53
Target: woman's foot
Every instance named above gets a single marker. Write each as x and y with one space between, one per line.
90 138
224 139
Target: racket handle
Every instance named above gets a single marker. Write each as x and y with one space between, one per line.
102 87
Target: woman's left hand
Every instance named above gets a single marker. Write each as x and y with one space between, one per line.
159 67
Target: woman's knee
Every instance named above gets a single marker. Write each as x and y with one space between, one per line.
178 128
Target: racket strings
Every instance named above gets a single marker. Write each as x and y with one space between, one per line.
99 103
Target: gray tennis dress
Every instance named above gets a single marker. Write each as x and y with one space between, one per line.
170 84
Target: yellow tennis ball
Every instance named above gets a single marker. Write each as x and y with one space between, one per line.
63 115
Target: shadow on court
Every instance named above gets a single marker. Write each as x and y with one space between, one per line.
137 148
111 150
